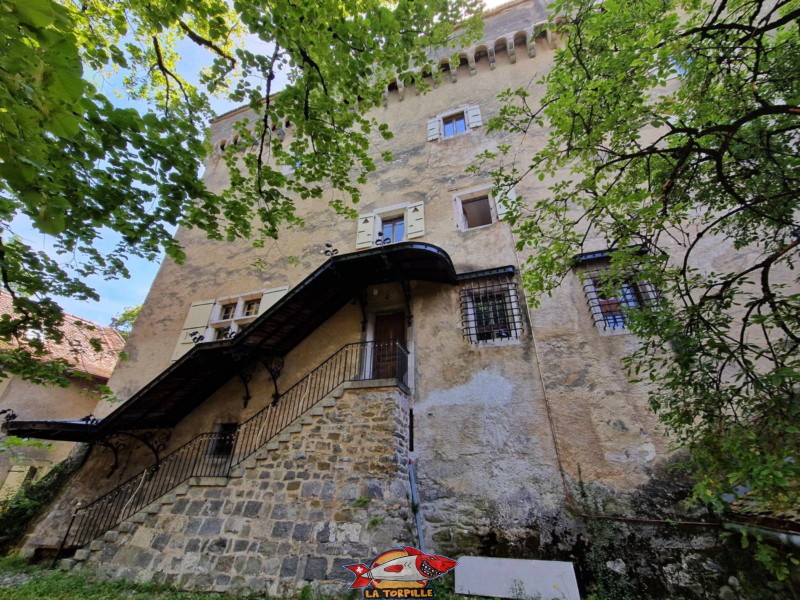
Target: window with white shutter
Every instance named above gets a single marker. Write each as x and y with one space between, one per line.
454 122
390 225
193 327
415 219
224 318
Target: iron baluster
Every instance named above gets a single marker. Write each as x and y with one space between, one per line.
353 362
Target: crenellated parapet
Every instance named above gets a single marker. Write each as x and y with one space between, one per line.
500 50
519 28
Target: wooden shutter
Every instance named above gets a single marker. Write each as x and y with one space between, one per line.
196 322
474 116
270 297
366 231
415 220
433 129
503 199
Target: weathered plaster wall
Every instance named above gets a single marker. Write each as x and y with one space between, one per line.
52 402
295 512
420 171
482 425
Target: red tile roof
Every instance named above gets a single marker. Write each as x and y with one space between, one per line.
75 348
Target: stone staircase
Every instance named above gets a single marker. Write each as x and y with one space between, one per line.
268 428
316 493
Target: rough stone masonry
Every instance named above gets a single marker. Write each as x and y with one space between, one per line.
321 497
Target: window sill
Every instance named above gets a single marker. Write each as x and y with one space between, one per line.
478 227
455 135
609 332
493 343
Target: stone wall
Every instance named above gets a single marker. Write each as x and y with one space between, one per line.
331 490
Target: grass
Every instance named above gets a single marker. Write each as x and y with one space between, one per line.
45 584
48 584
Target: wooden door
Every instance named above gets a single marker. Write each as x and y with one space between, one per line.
389 329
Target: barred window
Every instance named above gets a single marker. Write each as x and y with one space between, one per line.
610 309
490 310
222 441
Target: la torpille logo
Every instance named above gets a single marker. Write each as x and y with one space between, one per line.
400 573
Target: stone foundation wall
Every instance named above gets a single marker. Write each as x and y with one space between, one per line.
332 490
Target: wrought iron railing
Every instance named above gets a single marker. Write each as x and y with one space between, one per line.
215 454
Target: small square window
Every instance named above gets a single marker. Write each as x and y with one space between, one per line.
251 307
491 317
477 212
454 122
390 225
227 312
223 333
453 125
490 310
392 230
610 308
479 206
223 440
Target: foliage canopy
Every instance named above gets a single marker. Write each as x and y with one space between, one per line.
80 167
675 125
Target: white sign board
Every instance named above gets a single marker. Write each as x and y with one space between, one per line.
516 578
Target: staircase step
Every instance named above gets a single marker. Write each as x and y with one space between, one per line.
208 481
250 440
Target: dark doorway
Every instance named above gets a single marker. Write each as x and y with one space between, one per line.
389 330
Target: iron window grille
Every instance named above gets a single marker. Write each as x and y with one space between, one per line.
610 309
490 310
221 442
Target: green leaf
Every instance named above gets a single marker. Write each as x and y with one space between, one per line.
37 13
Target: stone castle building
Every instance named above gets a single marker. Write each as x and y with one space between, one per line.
399 391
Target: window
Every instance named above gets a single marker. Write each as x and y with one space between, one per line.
478 207
223 440
609 307
393 230
223 333
454 122
251 307
394 223
476 212
490 310
223 318
228 311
